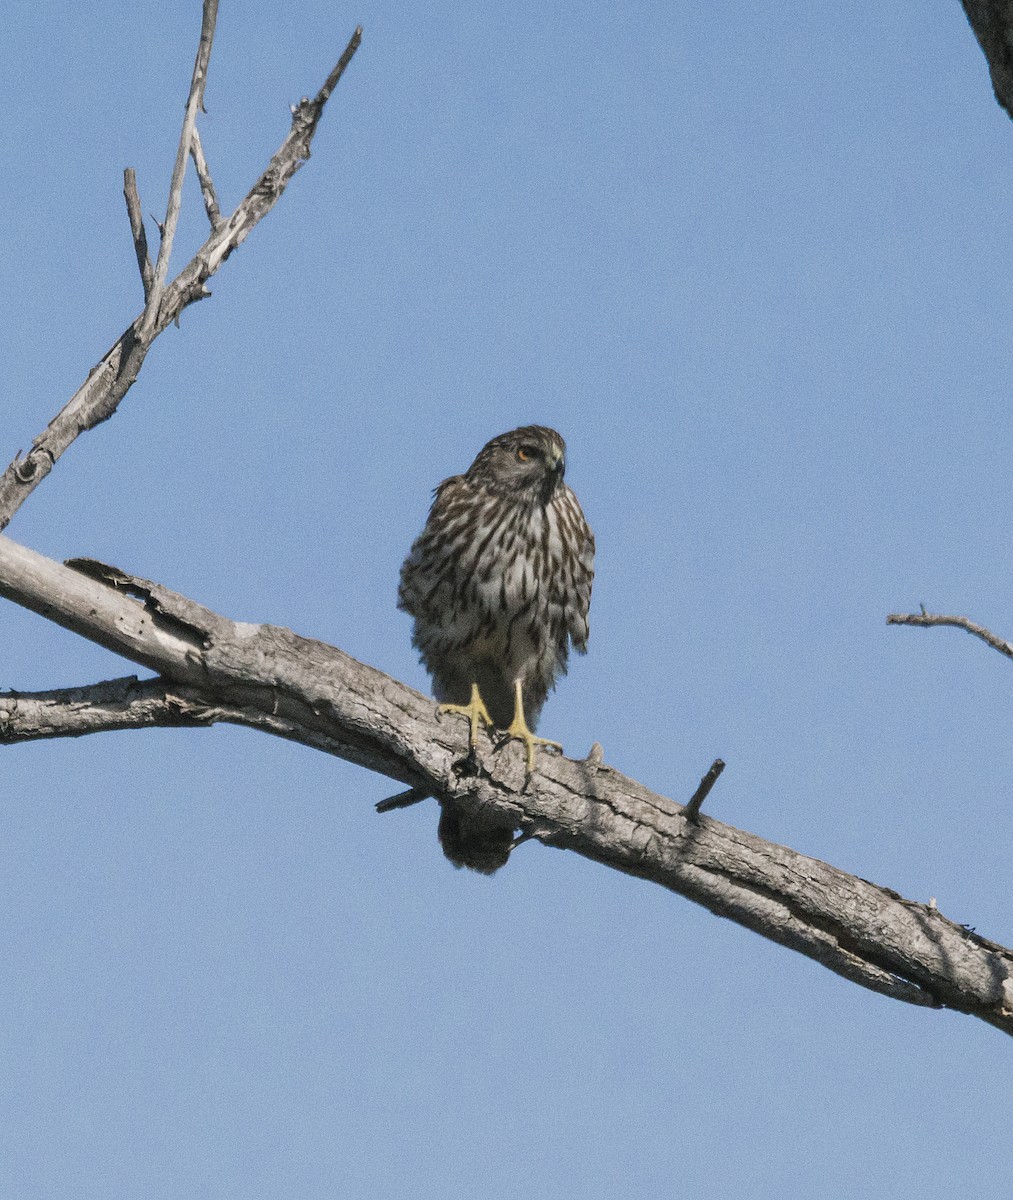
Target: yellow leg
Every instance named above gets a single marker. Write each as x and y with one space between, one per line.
519 729
475 710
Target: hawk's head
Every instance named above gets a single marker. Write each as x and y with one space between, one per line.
527 463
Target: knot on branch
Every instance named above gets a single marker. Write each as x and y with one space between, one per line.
36 463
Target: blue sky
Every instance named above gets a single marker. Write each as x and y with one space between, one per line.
752 262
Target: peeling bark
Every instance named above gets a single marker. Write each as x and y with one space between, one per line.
214 669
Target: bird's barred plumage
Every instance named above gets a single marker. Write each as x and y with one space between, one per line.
499 582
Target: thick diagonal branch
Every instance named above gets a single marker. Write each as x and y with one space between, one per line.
324 698
110 379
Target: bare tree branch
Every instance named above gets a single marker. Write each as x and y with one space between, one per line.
110 379
130 703
137 229
318 695
207 186
926 620
213 669
168 229
115 704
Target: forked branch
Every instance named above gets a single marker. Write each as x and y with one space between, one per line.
213 669
314 693
111 378
194 102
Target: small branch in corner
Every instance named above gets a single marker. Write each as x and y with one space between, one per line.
925 620
703 791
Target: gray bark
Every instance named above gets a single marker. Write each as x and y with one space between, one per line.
113 376
212 668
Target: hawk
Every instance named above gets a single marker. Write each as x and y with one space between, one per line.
499 584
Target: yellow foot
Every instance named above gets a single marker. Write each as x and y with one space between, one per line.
475 710
519 729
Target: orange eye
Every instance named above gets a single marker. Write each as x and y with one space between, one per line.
525 453
522 454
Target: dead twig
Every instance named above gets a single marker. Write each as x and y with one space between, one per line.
703 791
401 800
112 377
207 187
137 230
193 104
926 620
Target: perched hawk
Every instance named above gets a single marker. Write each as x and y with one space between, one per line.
499 584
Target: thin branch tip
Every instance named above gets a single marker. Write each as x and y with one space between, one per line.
112 377
193 105
926 620
339 69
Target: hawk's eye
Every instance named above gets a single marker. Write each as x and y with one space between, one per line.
524 453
